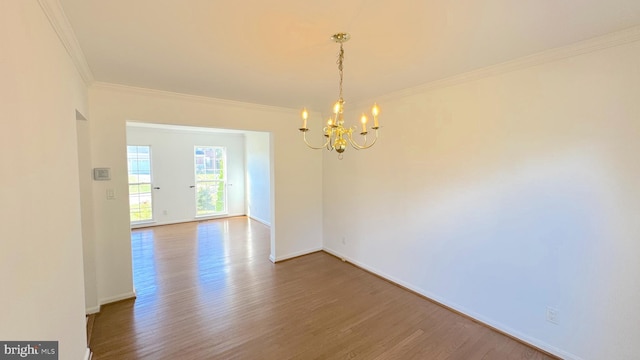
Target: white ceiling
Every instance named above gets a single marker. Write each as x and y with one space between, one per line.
279 52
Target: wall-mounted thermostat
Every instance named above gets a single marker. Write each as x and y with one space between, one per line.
102 174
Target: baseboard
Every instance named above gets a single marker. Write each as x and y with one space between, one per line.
272 259
204 218
264 222
92 310
501 328
112 299
88 354
294 255
217 217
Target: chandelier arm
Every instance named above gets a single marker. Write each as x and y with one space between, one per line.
357 146
304 136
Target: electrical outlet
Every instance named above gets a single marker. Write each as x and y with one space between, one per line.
164 212
552 315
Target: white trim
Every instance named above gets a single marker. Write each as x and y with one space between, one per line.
212 216
60 23
188 97
92 310
272 259
186 129
618 38
293 255
142 223
197 219
111 299
88 355
264 222
482 319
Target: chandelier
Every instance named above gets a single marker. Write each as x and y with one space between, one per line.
337 136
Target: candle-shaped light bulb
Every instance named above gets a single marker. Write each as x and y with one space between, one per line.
375 111
329 122
336 107
305 116
363 120
328 133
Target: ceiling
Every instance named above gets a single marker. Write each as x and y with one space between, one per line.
279 52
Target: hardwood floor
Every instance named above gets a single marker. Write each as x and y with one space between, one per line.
208 291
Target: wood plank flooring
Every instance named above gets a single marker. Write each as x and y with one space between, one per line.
208 291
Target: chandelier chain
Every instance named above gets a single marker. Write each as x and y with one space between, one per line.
339 62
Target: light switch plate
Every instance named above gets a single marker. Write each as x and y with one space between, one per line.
111 194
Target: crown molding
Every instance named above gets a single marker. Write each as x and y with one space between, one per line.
618 38
56 16
55 13
189 97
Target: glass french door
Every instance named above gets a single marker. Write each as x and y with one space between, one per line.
139 171
210 184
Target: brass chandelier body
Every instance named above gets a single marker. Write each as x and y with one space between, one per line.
337 136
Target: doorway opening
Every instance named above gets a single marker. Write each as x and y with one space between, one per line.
188 174
184 173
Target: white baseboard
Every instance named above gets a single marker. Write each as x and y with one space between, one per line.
92 310
182 221
262 221
205 218
88 354
482 319
129 295
272 259
293 255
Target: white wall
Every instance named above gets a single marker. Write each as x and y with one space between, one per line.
296 226
258 181
172 161
505 195
40 234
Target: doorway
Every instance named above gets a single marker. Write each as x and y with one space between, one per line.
193 173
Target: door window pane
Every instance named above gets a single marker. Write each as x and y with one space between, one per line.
211 189
140 197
